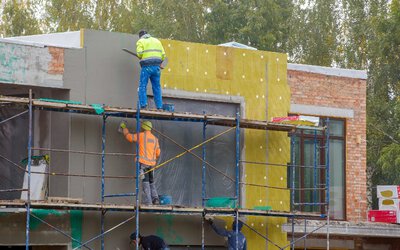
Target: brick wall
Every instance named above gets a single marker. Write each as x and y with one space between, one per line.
347 93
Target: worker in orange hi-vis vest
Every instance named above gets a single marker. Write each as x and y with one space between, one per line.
149 151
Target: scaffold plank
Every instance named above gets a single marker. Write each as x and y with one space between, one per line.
168 209
127 112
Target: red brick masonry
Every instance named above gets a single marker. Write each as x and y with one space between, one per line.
56 65
347 93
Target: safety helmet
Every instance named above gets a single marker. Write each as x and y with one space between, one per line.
133 236
146 125
240 225
142 33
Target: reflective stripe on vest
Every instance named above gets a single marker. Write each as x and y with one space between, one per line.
150 48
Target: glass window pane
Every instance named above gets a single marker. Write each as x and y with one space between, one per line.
336 127
311 176
336 171
312 132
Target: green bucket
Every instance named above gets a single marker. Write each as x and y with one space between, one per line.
221 202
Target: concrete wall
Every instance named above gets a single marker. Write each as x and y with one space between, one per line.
343 97
13 228
31 65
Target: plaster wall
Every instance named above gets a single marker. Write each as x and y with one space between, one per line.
31 65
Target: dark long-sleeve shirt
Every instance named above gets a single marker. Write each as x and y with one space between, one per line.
152 242
231 235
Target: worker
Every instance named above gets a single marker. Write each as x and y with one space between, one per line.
231 235
151 54
150 242
149 152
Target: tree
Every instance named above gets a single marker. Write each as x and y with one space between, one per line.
354 32
263 25
314 31
68 15
383 93
18 19
174 19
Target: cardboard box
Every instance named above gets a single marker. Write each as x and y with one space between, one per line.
386 216
388 191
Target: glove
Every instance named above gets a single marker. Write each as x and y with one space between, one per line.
122 125
210 221
141 174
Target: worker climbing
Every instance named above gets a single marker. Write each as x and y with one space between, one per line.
236 241
149 152
151 54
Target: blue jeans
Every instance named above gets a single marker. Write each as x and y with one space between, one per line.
153 72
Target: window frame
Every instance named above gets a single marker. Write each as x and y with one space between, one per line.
321 140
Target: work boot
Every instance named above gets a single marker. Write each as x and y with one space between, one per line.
146 196
154 194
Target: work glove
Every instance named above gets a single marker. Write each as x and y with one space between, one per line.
141 174
121 127
210 221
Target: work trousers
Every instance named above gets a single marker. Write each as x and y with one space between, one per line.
153 73
150 194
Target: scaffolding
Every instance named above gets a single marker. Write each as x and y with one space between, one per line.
233 123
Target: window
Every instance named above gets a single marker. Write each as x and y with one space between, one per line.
310 174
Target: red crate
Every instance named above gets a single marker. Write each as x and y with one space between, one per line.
387 216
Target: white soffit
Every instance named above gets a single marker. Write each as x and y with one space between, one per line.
321 111
349 73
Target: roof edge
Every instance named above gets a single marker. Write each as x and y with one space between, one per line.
349 73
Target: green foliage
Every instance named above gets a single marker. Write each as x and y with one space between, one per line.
383 93
67 15
18 19
259 24
174 19
314 32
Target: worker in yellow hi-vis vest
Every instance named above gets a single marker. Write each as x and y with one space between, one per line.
151 54
149 151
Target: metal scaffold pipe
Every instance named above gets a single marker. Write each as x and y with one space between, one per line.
137 175
28 203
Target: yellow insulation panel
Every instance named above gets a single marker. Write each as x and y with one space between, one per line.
260 78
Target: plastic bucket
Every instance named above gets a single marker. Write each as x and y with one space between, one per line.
221 202
169 107
165 199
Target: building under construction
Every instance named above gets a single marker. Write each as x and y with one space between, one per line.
63 95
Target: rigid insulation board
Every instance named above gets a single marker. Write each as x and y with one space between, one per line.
260 78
